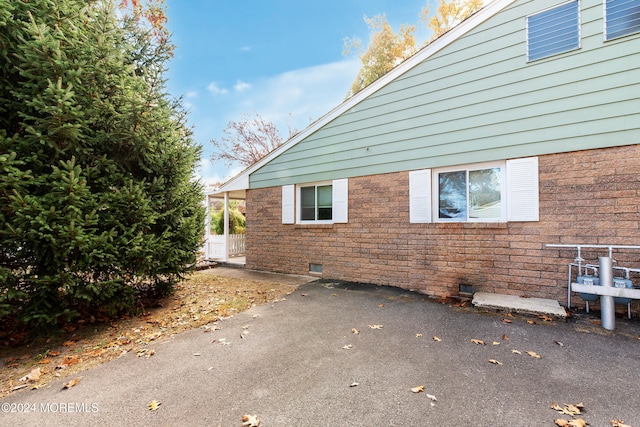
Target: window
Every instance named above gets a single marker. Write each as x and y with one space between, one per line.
488 192
325 203
470 194
553 31
316 203
621 18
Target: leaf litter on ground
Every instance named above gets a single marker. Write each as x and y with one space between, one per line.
198 302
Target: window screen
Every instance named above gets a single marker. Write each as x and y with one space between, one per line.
622 17
553 31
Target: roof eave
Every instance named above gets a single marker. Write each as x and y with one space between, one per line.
489 10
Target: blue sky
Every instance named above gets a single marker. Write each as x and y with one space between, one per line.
281 59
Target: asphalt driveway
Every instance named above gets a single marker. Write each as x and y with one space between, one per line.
298 362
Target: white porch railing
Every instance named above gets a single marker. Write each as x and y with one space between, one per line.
215 246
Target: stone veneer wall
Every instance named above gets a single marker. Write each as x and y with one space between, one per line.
588 197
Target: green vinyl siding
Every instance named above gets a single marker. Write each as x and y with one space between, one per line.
479 100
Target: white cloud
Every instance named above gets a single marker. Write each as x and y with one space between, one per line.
215 89
291 99
245 48
242 86
301 96
191 94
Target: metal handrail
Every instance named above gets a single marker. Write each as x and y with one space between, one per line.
579 247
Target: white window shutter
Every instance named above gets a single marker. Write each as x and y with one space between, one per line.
340 190
522 189
288 204
420 196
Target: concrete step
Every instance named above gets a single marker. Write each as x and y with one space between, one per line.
519 304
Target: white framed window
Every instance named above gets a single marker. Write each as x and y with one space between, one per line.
473 193
482 192
315 202
319 203
553 31
621 18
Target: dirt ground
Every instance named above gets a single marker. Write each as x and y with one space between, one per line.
197 302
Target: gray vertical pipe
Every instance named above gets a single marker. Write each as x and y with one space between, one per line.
607 304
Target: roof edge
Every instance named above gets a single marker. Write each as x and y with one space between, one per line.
489 10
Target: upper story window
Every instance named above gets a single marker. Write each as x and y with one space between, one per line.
621 18
553 31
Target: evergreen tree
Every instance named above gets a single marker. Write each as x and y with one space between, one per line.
97 196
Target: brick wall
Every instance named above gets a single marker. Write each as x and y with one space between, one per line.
588 197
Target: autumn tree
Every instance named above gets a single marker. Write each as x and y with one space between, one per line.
153 12
248 140
448 15
386 50
97 192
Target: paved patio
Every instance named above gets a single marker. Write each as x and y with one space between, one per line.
299 362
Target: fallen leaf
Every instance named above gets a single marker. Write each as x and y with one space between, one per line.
154 405
545 318
495 343
574 409
579 422
375 326
618 423
354 384
347 347
505 338
507 321
418 389
534 354
44 362
381 305
70 360
250 421
478 342
559 343
495 362
516 351
531 322
435 338
71 383
568 409
432 397
355 331
54 353
418 335
33 376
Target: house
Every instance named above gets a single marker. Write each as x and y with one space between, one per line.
518 128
